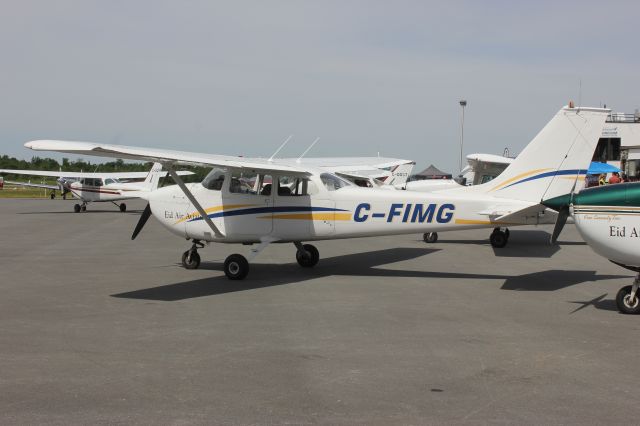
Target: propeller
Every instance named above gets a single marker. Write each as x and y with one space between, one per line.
563 214
143 219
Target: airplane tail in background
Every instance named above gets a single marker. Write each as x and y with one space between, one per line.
400 174
552 162
153 178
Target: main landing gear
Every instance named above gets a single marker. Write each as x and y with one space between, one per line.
236 266
430 237
121 206
628 299
499 238
78 208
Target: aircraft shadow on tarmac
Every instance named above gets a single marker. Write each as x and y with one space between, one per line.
599 303
523 243
359 264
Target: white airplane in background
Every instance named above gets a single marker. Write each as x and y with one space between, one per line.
233 204
98 187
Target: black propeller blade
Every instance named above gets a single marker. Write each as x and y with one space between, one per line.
143 219
563 214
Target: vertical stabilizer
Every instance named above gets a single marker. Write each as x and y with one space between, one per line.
153 178
553 161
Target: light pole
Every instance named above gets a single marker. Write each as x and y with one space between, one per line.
463 104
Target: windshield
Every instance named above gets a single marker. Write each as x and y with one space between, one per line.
333 182
214 180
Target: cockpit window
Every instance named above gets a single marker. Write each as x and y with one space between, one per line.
109 181
333 182
214 180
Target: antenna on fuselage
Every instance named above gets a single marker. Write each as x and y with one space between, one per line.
307 150
281 146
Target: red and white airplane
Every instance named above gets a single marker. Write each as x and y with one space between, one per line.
97 187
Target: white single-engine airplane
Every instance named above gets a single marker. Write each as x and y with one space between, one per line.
256 201
98 187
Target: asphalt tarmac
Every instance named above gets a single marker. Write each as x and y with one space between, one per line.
98 329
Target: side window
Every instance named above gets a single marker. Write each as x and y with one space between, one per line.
109 181
214 180
332 182
243 183
98 182
293 186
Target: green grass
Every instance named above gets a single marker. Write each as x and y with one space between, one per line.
24 192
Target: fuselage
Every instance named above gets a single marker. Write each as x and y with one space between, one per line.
608 218
98 189
245 209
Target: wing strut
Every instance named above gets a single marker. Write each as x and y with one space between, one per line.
195 202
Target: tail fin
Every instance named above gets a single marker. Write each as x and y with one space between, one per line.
400 174
553 160
153 178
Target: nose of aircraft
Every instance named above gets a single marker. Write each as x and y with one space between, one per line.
169 206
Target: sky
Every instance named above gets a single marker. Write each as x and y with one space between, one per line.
367 77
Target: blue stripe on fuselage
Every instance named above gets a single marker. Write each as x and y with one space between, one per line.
548 174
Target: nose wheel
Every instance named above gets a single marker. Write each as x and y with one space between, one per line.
191 258
627 299
499 238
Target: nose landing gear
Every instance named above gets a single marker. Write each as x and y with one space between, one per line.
191 258
627 299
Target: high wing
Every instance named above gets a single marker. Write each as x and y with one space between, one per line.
167 157
364 174
31 185
80 175
387 170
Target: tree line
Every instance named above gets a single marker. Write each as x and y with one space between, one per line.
80 165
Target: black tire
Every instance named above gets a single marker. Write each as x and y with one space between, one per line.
498 239
310 259
622 300
190 262
430 237
83 208
236 267
123 207
53 195
76 208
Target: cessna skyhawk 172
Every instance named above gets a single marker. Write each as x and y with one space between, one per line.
98 187
608 218
257 201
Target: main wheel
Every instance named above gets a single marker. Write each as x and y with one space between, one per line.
498 239
190 262
76 208
83 208
123 207
430 237
53 195
309 258
624 302
236 267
